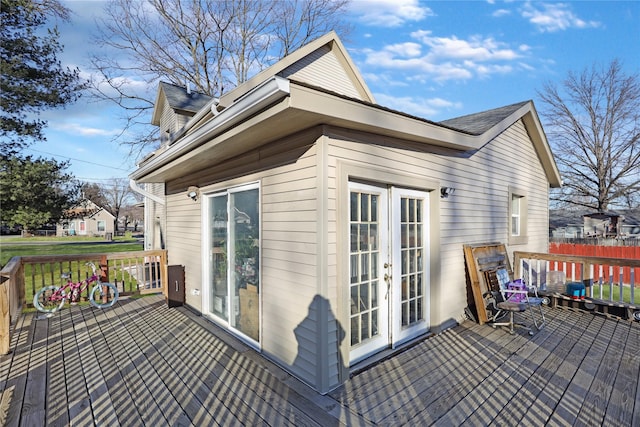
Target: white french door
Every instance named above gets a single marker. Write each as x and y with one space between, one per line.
388 253
410 265
368 260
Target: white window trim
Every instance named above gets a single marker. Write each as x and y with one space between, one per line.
522 237
206 244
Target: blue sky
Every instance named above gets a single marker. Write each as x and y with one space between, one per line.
433 59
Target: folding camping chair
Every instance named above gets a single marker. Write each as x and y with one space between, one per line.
511 297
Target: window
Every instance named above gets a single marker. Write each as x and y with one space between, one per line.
102 226
517 216
234 226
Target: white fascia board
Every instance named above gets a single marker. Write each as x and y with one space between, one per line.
356 115
361 116
250 103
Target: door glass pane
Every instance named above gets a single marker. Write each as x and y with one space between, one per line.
364 266
244 257
411 256
218 297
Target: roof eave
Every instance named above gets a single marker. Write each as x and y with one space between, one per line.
311 107
250 103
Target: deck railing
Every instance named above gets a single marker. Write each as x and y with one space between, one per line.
608 281
132 272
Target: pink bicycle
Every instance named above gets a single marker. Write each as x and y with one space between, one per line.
51 298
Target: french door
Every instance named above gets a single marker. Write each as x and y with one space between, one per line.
388 253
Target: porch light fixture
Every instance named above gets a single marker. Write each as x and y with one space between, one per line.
446 192
193 192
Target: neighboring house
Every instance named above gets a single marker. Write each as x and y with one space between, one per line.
579 224
322 228
86 218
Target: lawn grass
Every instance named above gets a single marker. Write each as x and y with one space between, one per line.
17 246
10 247
626 293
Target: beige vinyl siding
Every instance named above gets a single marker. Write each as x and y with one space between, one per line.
155 216
184 241
289 262
478 210
289 254
322 68
168 123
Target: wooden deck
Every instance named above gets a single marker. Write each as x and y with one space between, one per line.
141 363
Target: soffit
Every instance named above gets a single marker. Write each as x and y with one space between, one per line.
306 107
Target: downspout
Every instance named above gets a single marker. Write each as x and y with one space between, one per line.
145 193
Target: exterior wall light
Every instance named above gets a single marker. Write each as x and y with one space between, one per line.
193 193
446 192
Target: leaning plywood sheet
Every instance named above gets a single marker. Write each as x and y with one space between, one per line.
480 259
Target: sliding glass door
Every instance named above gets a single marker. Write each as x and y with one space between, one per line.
234 259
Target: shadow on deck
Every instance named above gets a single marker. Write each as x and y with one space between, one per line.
141 363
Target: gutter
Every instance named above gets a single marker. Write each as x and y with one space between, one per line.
134 186
250 103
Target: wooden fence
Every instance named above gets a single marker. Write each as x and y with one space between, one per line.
603 277
132 272
604 271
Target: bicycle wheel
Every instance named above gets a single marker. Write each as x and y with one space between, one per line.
103 295
48 299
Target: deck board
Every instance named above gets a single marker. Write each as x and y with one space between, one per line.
141 363
487 399
626 383
17 377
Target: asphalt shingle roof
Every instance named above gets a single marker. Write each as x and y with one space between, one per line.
179 99
479 123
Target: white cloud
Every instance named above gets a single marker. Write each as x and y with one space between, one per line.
500 13
447 58
554 17
475 48
81 130
420 107
389 13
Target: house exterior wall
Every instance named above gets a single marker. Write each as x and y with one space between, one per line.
322 68
477 212
108 223
304 310
90 224
291 303
184 243
170 123
154 219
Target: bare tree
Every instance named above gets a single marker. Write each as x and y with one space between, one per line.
212 45
93 192
132 214
117 194
593 124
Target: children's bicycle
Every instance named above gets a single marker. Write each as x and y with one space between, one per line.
51 298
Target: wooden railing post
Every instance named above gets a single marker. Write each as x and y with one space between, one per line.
104 268
5 316
165 273
587 278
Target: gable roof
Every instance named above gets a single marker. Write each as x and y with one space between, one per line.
329 44
479 123
261 111
179 99
84 209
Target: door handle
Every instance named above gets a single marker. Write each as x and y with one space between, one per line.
177 286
